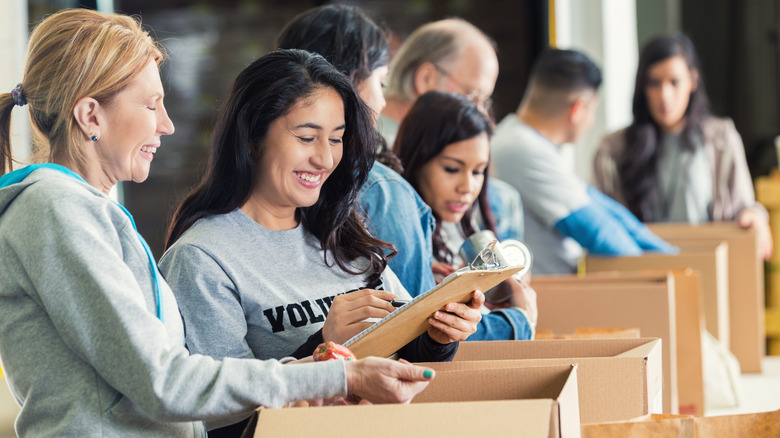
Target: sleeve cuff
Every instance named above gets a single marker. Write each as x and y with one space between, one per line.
531 323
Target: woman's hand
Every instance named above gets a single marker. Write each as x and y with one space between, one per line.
348 311
378 380
750 218
441 270
457 321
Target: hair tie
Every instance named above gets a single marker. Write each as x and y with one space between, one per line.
18 96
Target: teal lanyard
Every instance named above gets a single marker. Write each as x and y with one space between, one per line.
19 175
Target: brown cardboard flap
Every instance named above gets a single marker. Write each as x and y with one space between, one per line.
478 383
546 348
617 379
548 409
643 350
502 418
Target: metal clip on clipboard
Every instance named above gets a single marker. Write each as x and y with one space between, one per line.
494 255
487 258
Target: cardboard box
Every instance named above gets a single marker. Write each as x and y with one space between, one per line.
532 402
758 425
651 426
617 379
746 283
689 322
646 302
711 260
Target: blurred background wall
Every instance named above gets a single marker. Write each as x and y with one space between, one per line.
209 42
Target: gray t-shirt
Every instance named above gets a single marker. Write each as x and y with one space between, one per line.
533 165
247 291
685 182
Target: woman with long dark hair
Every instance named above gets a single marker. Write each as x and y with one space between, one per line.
357 47
444 146
263 252
676 162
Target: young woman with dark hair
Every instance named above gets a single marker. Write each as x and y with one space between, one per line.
263 252
395 212
354 44
357 47
441 120
676 162
444 146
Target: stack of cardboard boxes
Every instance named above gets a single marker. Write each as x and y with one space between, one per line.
601 387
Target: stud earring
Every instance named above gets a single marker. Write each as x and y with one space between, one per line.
94 138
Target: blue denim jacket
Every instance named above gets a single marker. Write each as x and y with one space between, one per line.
389 202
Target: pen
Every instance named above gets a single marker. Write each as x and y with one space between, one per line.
398 303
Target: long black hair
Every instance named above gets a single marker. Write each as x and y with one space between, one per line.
264 91
435 121
637 167
349 40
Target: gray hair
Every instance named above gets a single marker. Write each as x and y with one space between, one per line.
439 42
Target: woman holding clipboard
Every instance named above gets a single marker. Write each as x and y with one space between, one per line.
262 252
444 146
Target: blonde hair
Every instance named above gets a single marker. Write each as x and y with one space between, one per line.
439 42
73 54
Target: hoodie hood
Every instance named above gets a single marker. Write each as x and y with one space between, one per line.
13 183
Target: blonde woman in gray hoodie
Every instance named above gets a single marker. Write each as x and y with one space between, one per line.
91 339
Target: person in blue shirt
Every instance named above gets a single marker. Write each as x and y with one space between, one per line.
563 214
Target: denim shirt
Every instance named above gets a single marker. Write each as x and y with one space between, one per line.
390 204
388 200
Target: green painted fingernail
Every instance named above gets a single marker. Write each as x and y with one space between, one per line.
428 374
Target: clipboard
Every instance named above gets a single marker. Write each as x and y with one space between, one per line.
404 324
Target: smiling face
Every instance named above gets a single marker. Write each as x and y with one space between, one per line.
452 180
301 150
668 90
131 125
370 90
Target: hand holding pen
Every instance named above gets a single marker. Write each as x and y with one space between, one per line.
349 311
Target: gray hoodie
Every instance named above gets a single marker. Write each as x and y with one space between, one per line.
81 347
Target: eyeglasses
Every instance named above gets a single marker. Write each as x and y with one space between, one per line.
486 103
